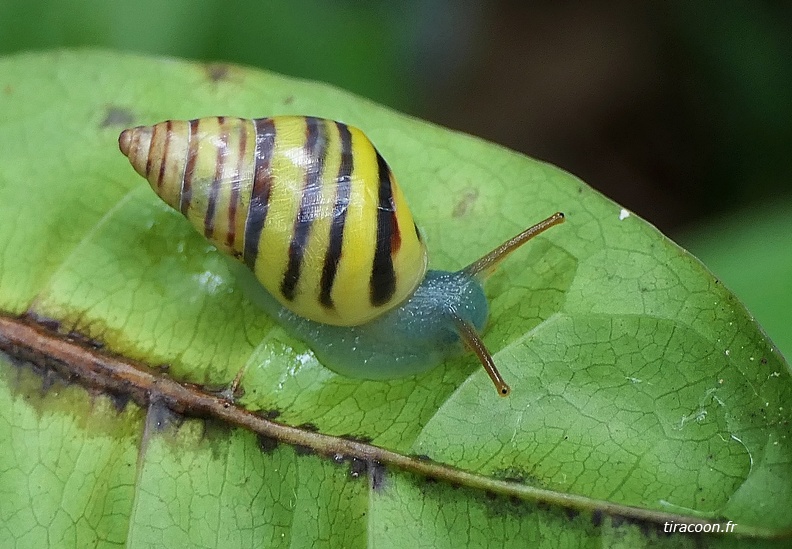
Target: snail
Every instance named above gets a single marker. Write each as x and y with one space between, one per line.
315 213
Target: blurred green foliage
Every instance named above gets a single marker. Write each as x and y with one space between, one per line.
365 47
734 62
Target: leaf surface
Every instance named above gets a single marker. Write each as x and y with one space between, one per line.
638 381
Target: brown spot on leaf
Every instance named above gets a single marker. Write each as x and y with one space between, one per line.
303 450
377 476
8 90
465 203
267 444
117 116
161 417
357 468
217 72
119 400
288 100
269 414
358 438
50 324
85 340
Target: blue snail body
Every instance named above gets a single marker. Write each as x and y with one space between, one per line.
411 338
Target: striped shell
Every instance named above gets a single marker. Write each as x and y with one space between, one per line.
308 204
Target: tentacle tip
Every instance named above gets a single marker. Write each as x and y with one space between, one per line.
504 390
561 215
125 141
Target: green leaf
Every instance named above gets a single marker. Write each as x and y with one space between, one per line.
642 391
750 253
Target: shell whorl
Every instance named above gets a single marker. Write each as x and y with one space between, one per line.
307 203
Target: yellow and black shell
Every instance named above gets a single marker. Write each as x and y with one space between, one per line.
308 204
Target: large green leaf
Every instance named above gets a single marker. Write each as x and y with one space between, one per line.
642 391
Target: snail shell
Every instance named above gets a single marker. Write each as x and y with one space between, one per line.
308 204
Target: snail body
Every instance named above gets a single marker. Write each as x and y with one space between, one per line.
313 211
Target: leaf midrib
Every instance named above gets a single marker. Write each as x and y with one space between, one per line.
26 339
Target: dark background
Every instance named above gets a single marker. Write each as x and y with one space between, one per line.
679 110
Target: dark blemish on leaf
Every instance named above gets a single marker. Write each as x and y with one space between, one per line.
269 414
48 373
377 476
465 203
213 389
48 379
63 395
596 518
421 457
267 444
430 480
763 360
289 100
309 427
303 450
217 72
8 90
161 417
571 514
214 429
117 116
119 400
215 434
357 467
646 529
50 324
54 325
77 337
649 530
498 505
363 439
